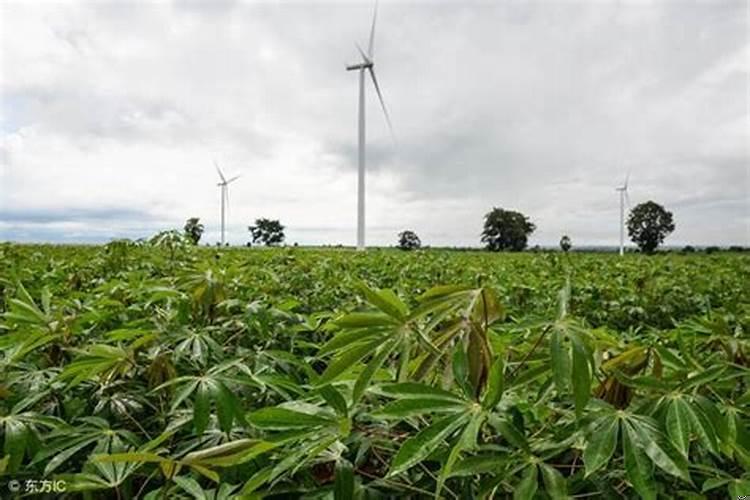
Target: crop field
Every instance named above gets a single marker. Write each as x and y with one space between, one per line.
164 370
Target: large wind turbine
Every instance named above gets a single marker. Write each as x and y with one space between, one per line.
623 194
224 197
367 64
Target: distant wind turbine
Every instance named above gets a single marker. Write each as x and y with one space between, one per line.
623 195
224 197
367 64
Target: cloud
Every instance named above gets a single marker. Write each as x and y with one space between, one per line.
121 108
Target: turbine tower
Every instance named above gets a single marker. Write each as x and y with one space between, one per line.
367 64
623 195
224 198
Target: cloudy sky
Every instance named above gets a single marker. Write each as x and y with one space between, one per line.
112 113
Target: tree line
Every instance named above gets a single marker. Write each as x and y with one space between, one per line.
648 224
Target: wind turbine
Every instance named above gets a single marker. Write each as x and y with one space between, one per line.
367 64
623 195
224 197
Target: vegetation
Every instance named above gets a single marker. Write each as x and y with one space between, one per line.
267 231
165 370
648 224
565 243
408 240
194 229
506 230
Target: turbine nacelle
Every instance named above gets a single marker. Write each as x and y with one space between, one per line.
363 65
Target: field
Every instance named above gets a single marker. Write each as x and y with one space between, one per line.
170 371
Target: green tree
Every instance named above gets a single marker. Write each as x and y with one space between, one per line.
408 240
194 229
506 230
648 224
267 231
565 243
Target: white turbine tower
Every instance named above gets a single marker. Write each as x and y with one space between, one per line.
623 195
224 198
367 64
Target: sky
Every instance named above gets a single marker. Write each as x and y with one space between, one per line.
114 112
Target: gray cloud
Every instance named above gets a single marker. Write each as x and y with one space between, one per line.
539 106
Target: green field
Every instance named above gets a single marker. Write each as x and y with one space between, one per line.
171 371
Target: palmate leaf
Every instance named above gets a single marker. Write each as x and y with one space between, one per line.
418 447
602 441
411 407
528 485
495 385
276 418
657 448
467 441
679 424
554 482
637 465
347 359
343 486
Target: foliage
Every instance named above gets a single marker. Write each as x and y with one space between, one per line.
408 240
565 243
648 224
267 231
194 229
506 230
129 371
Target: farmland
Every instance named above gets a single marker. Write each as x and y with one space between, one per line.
173 371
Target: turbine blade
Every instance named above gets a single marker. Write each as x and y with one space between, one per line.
382 102
219 170
233 179
362 53
627 199
627 178
371 46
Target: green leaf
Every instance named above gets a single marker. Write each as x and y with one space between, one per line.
601 445
495 384
334 399
581 378
62 456
678 424
418 447
418 391
412 406
363 381
528 485
227 406
191 486
276 418
510 432
343 486
461 370
347 359
659 451
466 441
560 361
201 408
385 300
365 320
554 482
347 338
637 465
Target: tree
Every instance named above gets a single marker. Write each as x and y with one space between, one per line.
648 224
194 229
408 240
565 243
506 230
267 231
